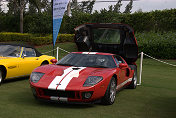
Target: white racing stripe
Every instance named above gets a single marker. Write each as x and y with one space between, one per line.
89 52
85 52
68 78
61 82
122 84
57 79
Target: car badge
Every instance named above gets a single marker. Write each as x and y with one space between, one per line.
58 84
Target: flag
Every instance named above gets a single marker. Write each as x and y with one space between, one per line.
59 7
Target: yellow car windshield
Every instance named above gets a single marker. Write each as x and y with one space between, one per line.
10 51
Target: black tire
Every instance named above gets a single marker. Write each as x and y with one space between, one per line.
1 76
134 80
110 94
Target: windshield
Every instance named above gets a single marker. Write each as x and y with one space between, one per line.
106 36
87 60
10 51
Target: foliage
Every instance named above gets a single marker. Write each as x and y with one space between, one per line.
84 6
129 7
34 39
157 21
38 23
161 45
141 21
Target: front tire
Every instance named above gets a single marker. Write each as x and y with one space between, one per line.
110 94
1 77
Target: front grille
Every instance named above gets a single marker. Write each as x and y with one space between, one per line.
58 93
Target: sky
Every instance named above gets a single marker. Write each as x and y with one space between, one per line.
145 5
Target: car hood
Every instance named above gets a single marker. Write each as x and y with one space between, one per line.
68 78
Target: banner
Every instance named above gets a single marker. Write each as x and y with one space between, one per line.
59 7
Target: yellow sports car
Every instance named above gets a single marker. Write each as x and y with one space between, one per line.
17 60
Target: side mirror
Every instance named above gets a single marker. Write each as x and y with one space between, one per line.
122 65
53 61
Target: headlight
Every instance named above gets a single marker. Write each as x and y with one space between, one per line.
36 76
92 80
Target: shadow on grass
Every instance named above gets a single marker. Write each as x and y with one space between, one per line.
26 98
15 80
165 107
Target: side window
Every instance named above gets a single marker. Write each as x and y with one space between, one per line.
117 62
119 59
29 52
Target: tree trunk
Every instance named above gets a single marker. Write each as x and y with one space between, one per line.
21 20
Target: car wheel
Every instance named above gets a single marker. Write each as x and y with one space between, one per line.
110 94
134 80
44 63
1 77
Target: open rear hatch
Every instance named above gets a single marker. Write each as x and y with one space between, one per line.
111 38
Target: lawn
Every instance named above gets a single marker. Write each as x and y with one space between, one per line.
155 98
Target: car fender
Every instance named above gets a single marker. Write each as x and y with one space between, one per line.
102 86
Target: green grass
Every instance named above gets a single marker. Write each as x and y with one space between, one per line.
155 98
70 47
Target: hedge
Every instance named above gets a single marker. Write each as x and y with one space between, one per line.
34 39
161 45
164 20
157 21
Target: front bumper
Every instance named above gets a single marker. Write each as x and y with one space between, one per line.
86 95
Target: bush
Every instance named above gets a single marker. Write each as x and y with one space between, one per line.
41 23
8 36
164 20
161 45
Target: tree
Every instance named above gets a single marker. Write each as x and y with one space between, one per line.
129 7
12 8
20 5
114 8
117 6
32 9
84 6
0 7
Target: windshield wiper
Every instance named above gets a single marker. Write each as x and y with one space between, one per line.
65 64
98 66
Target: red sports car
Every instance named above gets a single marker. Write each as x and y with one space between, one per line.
90 76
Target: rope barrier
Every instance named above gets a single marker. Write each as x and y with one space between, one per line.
158 60
63 50
49 51
56 49
138 55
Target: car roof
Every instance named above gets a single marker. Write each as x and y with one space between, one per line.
97 53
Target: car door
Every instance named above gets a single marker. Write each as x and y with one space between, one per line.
12 65
122 72
29 61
